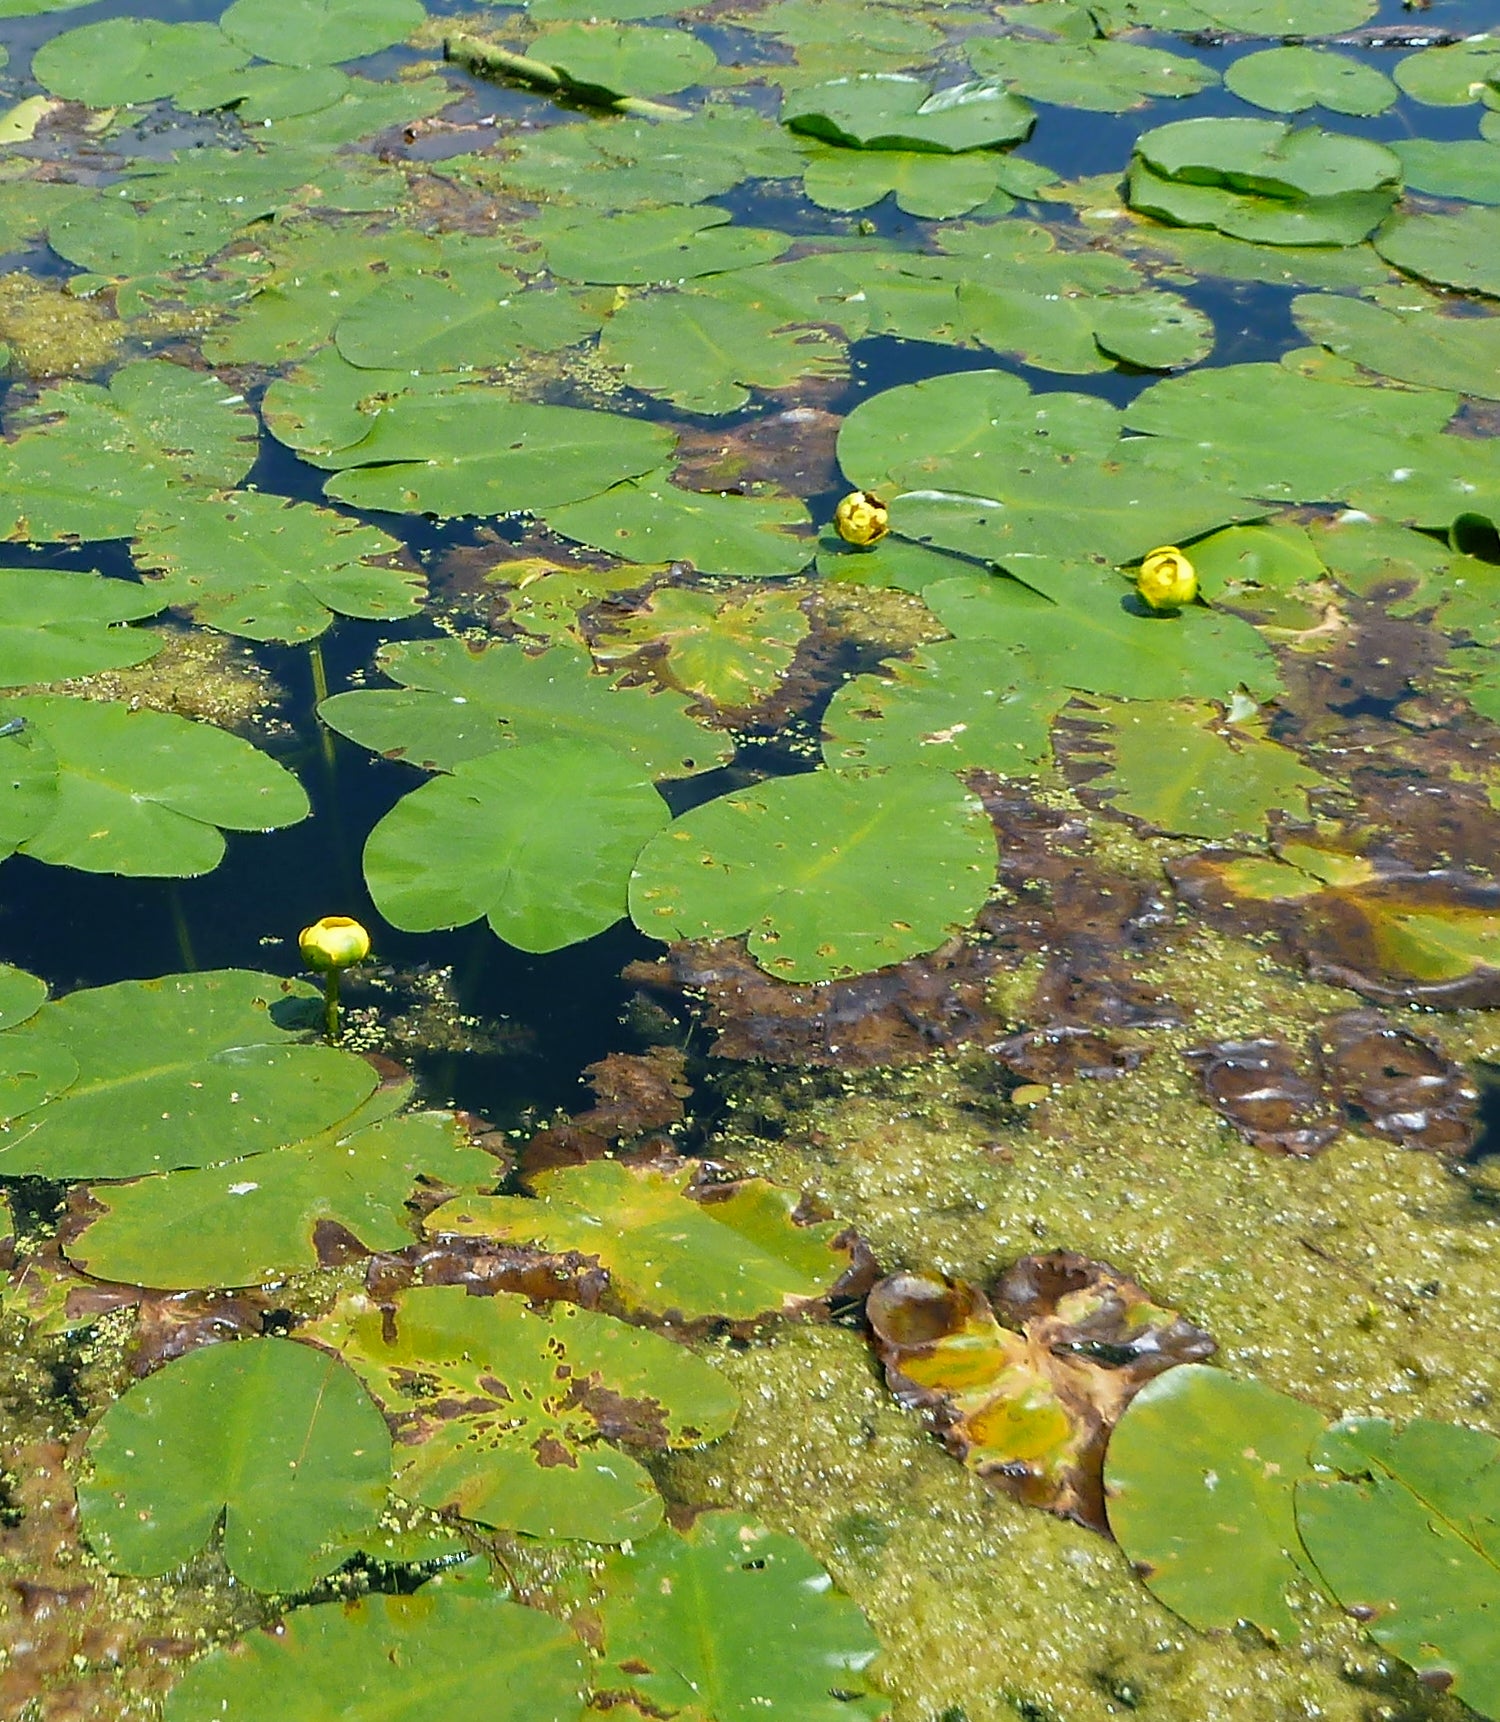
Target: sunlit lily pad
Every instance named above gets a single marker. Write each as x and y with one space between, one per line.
278 1440
537 840
731 651
625 62
259 93
1287 80
55 625
1468 168
499 1411
319 32
149 794
270 569
1406 1532
457 703
1415 345
1460 250
21 995
1105 76
924 183
687 1620
444 1655
885 110
124 60
650 245
733 1252
191 1070
246 1223
1199 1479
827 873
1344 219
1268 158
107 233
1451 75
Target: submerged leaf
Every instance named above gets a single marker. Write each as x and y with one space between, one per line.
278 1439
732 1252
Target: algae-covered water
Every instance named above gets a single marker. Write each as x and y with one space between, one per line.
909 1132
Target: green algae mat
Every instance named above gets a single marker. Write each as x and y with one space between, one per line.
924 578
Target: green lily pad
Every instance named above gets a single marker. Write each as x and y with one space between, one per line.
705 354
477 452
1268 158
960 704
1467 168
28 783
190 1070
1244 564
1199 1477
443 1655
129 60
55 625
269 569
367 107
537 840
1287 80
324 408
1406 1533
149 794
278 1440
319 32
90 460
1346 219
1414 343
21 996
259 93
457 703
735 1253
884 110
687 1620
617 62
1452 75
109 235
500 1411
1460 250
469 316
650 519
732 651
828 873
935 187
647 246
1096 637
242 1225
1101 76
1182 769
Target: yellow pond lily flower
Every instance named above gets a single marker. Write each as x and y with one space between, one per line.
862 519
1167 579
335 942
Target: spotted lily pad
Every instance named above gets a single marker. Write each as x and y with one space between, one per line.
244 1224
732 1251
828 874
55 625
731 651
276 1439
499 1410
191 1070
444 1655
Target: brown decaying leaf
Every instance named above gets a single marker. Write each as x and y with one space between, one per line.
1400 1084
486 1267
793 450
635 1095
1260 1086
1029 1411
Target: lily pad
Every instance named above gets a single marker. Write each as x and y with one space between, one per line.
1268 158
190 1070
650 519
647 246
1102 76
278 1440
1406 1533
319 32
259 93
1452 75
1199 1480
1468 168
925 184
961 704
1182 769
1414 343
55 625
458 703
477 452
242 1225
888 110
109 235
1345 219
732 651
97 458
538 840
269 569
828 873
130 60
617 62
687 1620
1460 250
1287 80
500 1410
21 995
733 1252
705 354
149 794
444 1655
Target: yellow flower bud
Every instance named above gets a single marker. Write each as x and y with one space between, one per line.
862 519
1167 579
333 943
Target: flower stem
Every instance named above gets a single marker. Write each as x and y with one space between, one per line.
331 1006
